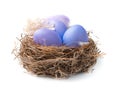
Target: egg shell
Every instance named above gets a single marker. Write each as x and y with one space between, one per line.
47 37
59 27
75 35
61 18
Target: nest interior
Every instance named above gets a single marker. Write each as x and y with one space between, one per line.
58 62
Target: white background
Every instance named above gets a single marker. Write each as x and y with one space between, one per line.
100 16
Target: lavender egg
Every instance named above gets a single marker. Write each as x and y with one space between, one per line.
61 18
47 37
58 27
75 36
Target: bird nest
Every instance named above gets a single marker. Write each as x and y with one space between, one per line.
53 61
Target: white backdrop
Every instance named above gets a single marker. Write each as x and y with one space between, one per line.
100 16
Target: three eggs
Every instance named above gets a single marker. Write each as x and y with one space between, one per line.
61 34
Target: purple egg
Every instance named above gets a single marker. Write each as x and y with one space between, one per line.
75 36
47 37
61 18
59 27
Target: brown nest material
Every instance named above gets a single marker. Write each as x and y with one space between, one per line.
58 62
54 61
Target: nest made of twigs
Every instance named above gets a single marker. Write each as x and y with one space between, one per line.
54 61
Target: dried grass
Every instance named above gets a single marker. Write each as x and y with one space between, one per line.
58 62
